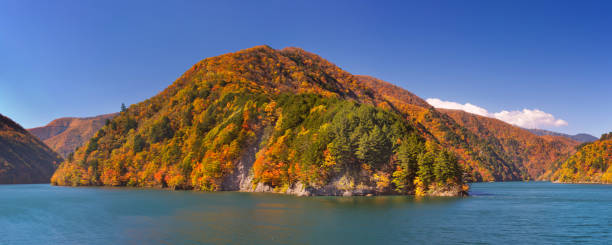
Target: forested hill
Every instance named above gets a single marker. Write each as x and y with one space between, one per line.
23 158
267 120
591 164
64 135
290 121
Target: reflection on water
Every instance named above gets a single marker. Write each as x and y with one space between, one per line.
497 213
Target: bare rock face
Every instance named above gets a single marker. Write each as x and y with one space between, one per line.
242 180
448 191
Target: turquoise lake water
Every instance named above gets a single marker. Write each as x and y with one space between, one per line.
496 213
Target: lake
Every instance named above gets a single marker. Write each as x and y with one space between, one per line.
496 213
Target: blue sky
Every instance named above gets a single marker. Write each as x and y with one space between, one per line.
84 58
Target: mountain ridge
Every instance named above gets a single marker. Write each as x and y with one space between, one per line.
581 137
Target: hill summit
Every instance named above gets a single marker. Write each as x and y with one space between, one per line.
583 138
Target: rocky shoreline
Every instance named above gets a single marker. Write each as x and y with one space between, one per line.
242 180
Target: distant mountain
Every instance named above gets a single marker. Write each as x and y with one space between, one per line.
577 137
24 159
64 135
591 164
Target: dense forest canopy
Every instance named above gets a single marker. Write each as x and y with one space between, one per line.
591 164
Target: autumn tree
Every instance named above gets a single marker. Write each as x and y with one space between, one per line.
446 167
426 170
160 130
407 163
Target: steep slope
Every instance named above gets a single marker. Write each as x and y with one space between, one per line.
267 120
583 138
591 164
64 135
23 158
538 154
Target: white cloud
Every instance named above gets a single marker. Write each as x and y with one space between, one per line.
456 106
530 118
525 118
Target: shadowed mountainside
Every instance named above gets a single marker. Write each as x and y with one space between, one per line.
23 158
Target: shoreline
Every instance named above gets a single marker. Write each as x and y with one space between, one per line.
465 194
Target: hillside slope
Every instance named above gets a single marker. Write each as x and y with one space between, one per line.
267 120
64 135
591 164
489 154
537 154
23 158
